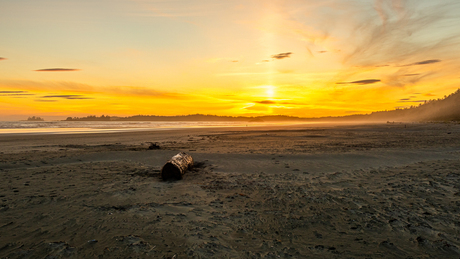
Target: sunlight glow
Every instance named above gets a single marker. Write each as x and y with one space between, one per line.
270 91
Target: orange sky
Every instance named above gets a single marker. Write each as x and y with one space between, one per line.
304 58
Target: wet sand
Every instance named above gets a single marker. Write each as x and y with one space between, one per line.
312 191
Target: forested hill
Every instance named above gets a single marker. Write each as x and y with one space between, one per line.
447 109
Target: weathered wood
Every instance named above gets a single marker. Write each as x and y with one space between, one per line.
176 167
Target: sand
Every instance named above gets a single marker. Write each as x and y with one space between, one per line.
303 191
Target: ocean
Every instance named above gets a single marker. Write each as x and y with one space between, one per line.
69 127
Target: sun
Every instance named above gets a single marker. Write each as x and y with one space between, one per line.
270 91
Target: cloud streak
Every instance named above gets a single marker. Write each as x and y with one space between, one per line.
68 96
408 101
12 92
361 82
282 55
399 30
57 70
425 62
55 88
2 58
45 101
265 102
15 93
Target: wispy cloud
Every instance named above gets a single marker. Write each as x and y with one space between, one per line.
380 35
45 101
51 86
425 62
14 93
68 96
2 58
57 70
282 55
55 88
361 82
389 36
265 102
408 101
401 78
406 36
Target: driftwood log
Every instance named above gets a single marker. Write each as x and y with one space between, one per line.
176 167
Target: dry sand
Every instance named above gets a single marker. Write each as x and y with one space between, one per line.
350 191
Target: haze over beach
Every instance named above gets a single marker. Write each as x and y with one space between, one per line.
229 129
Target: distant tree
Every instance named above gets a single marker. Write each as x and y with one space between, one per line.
33 118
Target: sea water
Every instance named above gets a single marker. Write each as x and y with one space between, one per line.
68 127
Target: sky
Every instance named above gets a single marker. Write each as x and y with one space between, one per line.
306 58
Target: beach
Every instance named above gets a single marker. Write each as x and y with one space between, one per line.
388 190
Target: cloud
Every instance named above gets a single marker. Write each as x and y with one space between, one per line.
266 102
57 70
48 86
216 60
256 108
396 31
402 78
2 58
282 55
45 101
55 88
408 101
425 62
68 96
14 93
361 82
322 51
281 102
